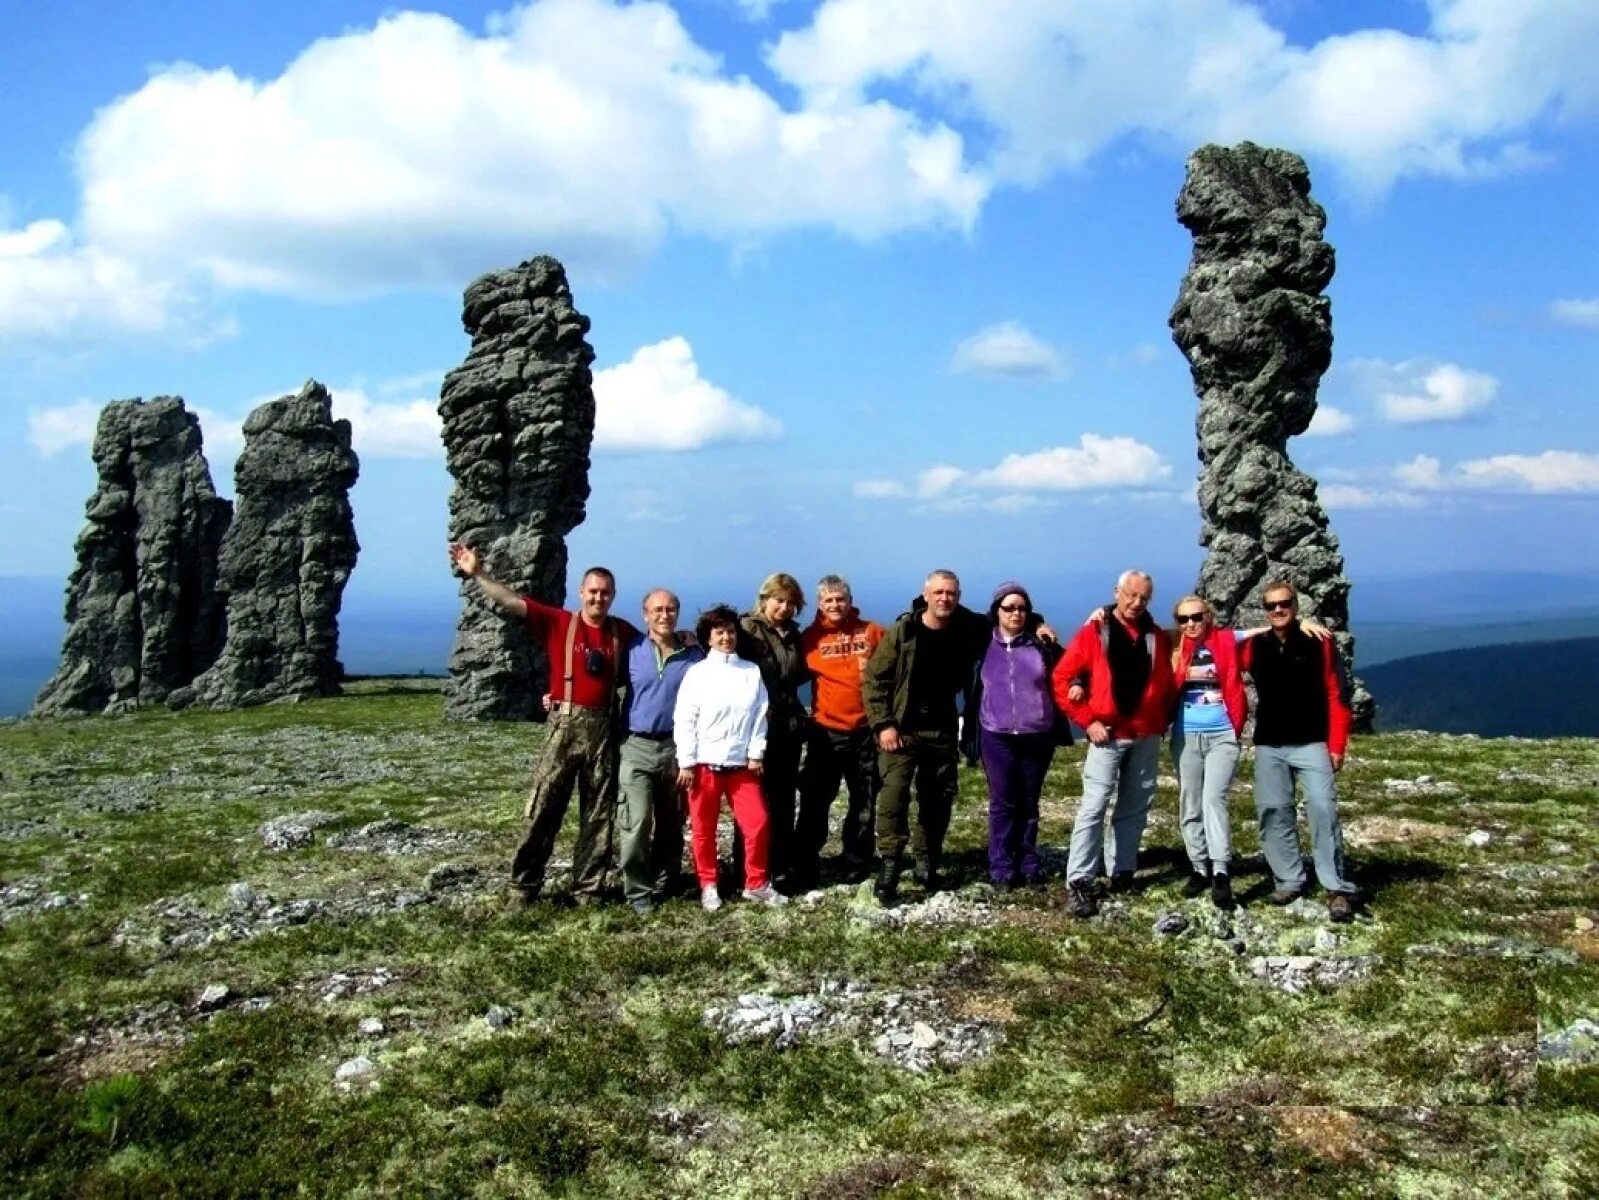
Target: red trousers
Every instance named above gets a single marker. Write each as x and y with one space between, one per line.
743 792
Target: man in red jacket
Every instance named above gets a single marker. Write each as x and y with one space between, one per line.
1302 720
1124 709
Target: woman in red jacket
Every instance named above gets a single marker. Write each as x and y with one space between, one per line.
1206 726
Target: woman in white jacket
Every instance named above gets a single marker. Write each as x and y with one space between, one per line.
719 725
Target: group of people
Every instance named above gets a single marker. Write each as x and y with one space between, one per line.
654 727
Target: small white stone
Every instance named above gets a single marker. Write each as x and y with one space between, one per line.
371 1027
213 997
497 1017
1479 837
923 1036
355 1070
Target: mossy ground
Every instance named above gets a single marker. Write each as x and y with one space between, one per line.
1130 1063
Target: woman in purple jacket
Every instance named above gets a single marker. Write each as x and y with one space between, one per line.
1011 724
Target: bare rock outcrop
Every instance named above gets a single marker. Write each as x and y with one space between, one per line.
286 558
143 615
518 421
1257 332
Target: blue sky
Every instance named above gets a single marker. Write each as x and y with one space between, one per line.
876 285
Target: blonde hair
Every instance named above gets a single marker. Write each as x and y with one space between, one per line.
1191 598
777 583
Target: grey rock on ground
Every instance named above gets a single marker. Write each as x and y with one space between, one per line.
143 613
1257 332
1577 1043
286 558
912 1030
518 422
293 832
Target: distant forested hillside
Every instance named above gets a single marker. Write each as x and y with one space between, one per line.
1532 689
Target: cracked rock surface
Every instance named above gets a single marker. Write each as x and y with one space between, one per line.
1256 329
143 613
518 421
286 557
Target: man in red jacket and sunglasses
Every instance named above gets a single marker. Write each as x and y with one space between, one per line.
1124 708
1302 720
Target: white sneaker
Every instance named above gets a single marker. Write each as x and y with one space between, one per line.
766 894
710 899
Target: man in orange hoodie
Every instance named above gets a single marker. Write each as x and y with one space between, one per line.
1115 681
840 745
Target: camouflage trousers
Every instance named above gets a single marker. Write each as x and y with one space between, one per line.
580 753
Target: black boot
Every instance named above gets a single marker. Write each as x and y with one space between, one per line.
1196 884
1221 890
886 889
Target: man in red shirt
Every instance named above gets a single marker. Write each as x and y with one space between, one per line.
1125 661
585 649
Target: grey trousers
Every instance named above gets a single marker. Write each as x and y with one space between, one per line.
1206 763
1277 769
1125 770
649 817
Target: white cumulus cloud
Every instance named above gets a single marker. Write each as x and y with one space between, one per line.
1348 495
657 400
1011 350
1416 392
1330 422
389 429
52 430
1058 82
419 152
1552 471
1095 463
53 289
1583 313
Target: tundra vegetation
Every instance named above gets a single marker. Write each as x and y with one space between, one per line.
263 952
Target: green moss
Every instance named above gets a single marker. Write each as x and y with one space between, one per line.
1128 1064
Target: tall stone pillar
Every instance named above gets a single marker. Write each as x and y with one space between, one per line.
518 422
286 558
143 615
1257 332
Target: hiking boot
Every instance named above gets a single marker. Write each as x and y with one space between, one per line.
1121 883
643 906
710 898
1080 900
1285 896
886 889
1341 908
766 894
1195 885
1002 886
1221 891
926 874
856 871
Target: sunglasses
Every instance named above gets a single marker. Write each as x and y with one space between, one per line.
1278 605
1190 618
1013 608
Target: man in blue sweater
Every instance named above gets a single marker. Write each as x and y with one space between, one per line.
651 815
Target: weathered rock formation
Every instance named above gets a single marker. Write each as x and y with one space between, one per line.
518 420
1257 332
143 616
287 557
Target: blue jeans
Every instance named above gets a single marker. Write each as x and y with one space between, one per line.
1126 770
1205 765
1277 769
